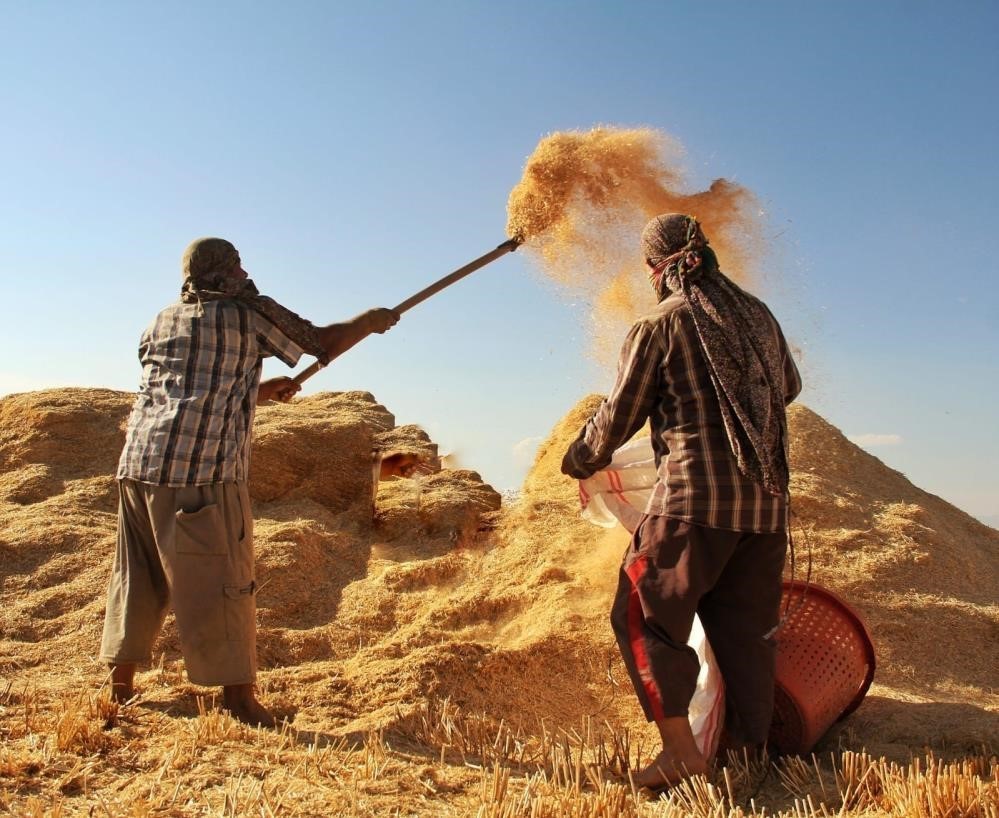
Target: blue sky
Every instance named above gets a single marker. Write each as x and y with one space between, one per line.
355 153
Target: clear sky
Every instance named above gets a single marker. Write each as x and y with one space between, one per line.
356 152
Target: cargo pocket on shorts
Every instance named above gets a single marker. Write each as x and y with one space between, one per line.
202 532
240 611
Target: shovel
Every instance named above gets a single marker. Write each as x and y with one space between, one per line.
506 247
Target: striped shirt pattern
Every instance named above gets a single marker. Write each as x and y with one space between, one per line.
201 363
663 378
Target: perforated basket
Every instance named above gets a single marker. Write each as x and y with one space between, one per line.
825 665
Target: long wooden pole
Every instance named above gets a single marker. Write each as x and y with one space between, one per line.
506 247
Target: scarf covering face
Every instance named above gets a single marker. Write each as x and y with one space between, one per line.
736 334
206 268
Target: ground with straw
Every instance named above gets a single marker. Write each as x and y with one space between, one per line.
435 654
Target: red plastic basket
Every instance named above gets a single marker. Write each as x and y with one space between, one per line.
825 665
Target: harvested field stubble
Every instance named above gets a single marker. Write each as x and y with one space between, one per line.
440 657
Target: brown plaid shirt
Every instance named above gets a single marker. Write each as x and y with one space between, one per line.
663 377
191 420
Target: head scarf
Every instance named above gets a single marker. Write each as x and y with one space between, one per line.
207 268
735 331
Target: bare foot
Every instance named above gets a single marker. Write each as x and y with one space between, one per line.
243 706
666 770
122 683
680 758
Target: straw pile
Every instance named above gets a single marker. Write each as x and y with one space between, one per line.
922 573
411 605
436 654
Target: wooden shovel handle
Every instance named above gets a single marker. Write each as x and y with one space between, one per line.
506 247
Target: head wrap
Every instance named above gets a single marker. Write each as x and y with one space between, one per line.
742 352
207 264
207 268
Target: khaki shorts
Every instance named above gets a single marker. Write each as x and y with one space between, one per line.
192 548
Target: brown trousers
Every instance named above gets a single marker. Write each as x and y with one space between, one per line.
732 581
191 547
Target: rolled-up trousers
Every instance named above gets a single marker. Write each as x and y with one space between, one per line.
732 581
189 548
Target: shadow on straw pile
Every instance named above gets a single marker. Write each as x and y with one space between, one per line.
306 556
318 448
429 515
891 728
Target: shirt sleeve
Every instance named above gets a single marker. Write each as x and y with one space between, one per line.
271 341
626 409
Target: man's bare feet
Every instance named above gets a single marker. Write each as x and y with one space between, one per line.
679 758
122 683
243 706
666 770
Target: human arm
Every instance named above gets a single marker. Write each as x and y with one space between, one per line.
625 409
338 338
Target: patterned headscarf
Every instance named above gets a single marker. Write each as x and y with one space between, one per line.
742 353
206 268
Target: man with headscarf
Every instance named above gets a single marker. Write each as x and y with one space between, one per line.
711 371
185 529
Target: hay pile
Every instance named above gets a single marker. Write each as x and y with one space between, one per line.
922 573
322 546
380 600
58 502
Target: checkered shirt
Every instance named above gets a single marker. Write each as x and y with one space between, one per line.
190 424
663 378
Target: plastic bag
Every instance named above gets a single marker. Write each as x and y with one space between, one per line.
707 705
618 495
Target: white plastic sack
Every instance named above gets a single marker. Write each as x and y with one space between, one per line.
618 495
707 705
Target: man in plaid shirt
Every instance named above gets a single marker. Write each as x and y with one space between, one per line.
185 529
712 373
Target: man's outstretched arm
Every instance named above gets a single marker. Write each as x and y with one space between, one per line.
338 338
